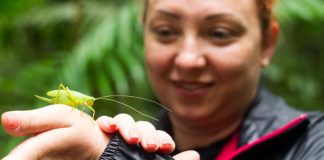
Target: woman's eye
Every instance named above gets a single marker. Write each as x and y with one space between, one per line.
164 31
221 35
165 34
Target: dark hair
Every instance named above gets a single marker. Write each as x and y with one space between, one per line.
265 13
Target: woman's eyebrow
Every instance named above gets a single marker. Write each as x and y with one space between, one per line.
223 17
228 18
169 14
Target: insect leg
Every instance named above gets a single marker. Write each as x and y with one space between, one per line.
66 89
73 106
44 99
58 95
93 111
83 108
69 94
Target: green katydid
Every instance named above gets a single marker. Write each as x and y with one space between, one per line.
74 99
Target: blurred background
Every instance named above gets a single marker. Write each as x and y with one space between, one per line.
96 47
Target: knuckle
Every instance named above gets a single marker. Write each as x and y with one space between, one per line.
62 110
103 119
164 137
162 133
124 119
145 126
122 115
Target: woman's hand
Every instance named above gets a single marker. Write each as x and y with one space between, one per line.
56 131
138 132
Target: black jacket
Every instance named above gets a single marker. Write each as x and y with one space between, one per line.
271 131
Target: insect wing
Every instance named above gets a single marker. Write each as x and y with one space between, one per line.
60 97
55 93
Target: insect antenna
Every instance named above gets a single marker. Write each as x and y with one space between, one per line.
140 98
108 99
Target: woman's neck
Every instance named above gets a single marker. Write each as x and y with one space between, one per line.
187 135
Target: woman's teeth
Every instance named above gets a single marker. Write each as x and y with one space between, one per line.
191 86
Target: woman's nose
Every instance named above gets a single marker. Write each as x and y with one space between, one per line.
189 56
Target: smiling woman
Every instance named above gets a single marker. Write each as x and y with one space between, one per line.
204 60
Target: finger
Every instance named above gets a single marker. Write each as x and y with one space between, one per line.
167 145
19 123
107 124
149 138
187 155
127 128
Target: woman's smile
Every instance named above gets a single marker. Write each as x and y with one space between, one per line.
191 89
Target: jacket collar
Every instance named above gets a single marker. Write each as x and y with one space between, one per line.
267 114
270 123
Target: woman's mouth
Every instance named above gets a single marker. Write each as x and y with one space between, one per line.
192 89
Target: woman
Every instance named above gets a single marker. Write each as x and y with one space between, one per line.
204 60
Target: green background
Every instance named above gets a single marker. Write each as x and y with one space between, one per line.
95 46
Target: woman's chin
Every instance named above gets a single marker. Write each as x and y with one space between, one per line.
192 114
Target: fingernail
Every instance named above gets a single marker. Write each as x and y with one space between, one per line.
112 125
134 137
10 121
166 145
151 143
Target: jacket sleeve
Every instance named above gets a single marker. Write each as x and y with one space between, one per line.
118 149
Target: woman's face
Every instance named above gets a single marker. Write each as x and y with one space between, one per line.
204 57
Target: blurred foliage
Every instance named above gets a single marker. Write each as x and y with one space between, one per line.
96 47
296 72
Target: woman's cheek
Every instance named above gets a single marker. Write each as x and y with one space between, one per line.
158 58
233 62
226 68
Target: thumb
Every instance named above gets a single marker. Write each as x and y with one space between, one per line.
37 147
187 155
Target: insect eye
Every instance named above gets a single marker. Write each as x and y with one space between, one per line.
89 102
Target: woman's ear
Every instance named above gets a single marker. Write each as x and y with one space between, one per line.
270 44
